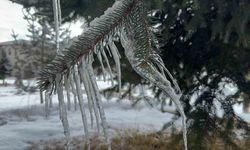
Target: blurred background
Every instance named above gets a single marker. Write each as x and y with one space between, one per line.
204 43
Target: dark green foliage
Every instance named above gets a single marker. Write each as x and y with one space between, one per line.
204 54
5 67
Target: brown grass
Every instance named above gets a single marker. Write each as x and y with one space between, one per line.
135 141
138 141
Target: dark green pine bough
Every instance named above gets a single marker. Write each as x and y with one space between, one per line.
125 21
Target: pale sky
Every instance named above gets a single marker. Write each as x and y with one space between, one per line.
11 17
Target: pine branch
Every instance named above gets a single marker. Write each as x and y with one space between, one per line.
93 39
127 21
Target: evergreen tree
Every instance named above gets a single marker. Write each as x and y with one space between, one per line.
5 67
203 44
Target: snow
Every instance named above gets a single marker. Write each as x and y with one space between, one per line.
24 119
17 101
238 108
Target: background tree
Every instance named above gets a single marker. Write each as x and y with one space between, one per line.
5 67
207 49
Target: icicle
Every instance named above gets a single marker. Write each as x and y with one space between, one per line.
71 81
108 50
62 107
47 101
88 92
150 72
63 110
55 10
109 68
115 54
56 19
98 101
59 12
176 86
111 40
92 94
99 56
41 96
81 104
50 102
67 88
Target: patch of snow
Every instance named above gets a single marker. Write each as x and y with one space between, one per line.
25 121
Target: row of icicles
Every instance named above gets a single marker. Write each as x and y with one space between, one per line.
83 72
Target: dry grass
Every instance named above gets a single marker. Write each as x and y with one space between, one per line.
135 141
138 141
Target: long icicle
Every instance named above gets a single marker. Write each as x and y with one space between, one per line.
98 100
81 104
92 94
108 64
176 99
176 86
99 56
67 88
56 20
59 13
115 54
63 110
50 102
89 96
147 70
62 107
72 85
47 100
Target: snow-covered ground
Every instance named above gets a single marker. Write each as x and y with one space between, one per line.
22 118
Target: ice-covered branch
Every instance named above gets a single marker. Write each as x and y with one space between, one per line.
126 21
